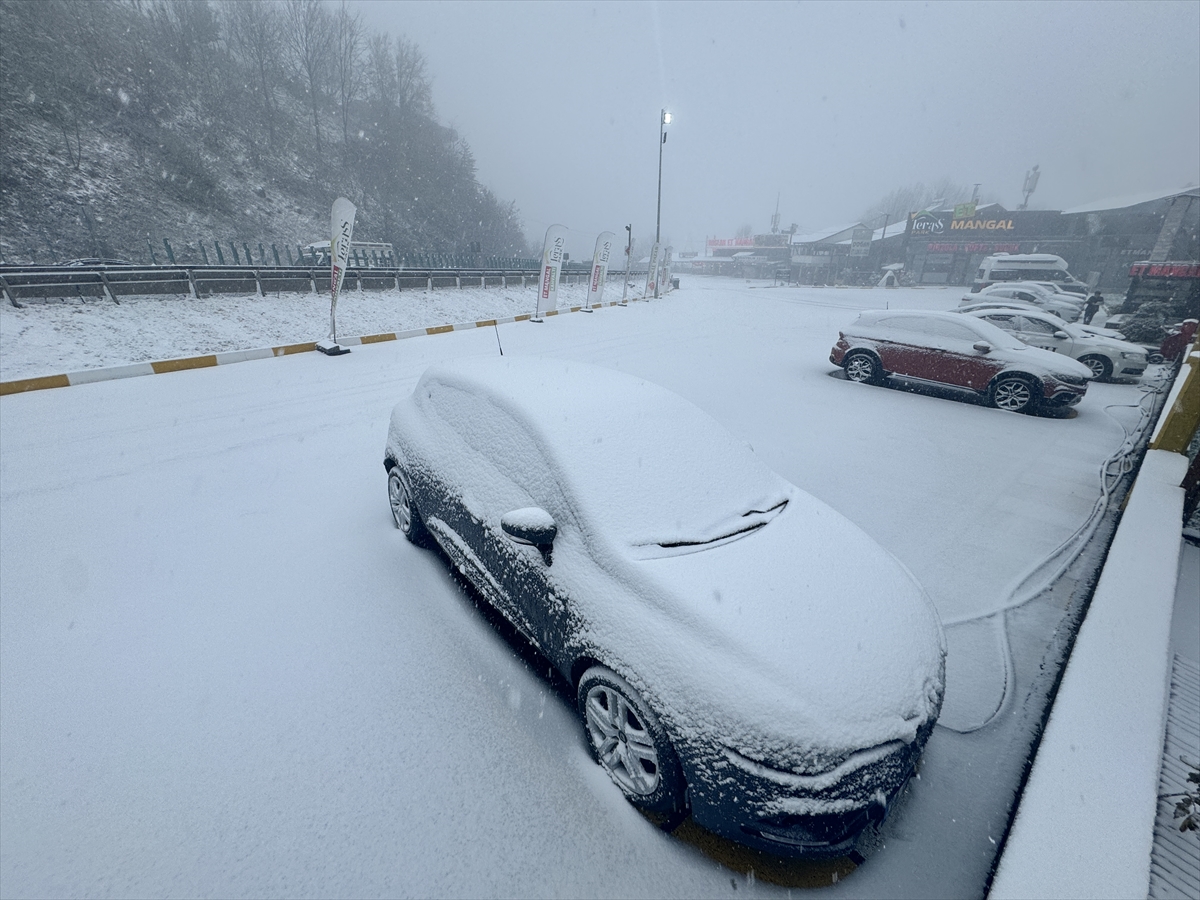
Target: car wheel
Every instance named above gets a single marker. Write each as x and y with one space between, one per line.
863 367
1014 393
1101 367
404 509
630 744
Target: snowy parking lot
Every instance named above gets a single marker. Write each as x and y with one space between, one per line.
224 672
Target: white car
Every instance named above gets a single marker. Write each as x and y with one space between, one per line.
737 647
1061 305
1017 304
1106 357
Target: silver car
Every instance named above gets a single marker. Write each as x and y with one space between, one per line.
1107 358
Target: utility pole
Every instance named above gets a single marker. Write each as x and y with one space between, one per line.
664 119
628 257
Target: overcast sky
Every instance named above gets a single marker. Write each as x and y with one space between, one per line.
828 106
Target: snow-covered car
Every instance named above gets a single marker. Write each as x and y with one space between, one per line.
737 647
958 351
1062 305
1107 358
1018 305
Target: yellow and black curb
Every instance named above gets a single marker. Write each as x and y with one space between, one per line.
109 373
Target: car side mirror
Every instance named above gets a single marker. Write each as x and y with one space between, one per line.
1061 335
533 526
982 346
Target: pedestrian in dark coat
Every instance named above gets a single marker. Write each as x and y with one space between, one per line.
1092 306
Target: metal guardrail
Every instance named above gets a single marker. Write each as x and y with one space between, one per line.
32 282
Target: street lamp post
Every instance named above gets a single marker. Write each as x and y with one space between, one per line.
664 120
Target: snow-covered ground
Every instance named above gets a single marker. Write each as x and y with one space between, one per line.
224 672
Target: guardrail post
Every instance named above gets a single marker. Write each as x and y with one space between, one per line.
170 255
192 283
204 253
107 287
8 293
275 253
312 278
150 247
258 282
237 260
429 282
249 258
220 256
458 279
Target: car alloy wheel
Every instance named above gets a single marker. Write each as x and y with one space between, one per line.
1101 367
1013 394
404 510
861 367
629 743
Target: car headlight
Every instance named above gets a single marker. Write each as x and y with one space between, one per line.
1132 355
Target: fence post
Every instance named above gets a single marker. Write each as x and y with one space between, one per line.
288 250
275 253
150 247
237 260
249 258
262 254
220 256
258 282
203 252
170 255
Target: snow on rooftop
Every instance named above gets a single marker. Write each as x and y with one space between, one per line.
823 235
1127 200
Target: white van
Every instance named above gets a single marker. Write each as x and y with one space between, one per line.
1023 267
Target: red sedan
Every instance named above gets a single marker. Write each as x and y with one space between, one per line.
961 352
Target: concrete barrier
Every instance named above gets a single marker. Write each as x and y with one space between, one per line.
1084 825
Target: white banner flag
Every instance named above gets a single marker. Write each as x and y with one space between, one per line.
552 259
652 273
666 269
342 225
604 246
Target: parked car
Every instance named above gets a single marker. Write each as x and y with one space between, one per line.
1107 358
1002 267
1018 305
959 351
737 647
1064 306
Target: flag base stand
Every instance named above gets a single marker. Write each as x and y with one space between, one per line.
536 319
332 348
587 309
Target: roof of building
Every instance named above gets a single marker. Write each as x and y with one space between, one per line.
826 235
1127 200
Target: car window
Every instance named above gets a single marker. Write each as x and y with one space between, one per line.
952 330
1036 326
1024 295
1008 323
499 439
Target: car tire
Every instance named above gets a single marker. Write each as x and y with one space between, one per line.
1101 367
629 743
405 514
863 367
1014 393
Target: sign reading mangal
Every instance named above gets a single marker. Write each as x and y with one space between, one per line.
982 225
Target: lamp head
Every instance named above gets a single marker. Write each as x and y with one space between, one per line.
666 118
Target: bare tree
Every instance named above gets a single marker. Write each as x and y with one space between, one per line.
255 33
307 34
897 204
347 63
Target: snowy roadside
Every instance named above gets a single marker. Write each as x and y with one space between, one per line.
57 336
54 336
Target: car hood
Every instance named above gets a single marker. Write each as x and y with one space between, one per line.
798 642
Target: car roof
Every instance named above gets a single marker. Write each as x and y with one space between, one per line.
634 455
